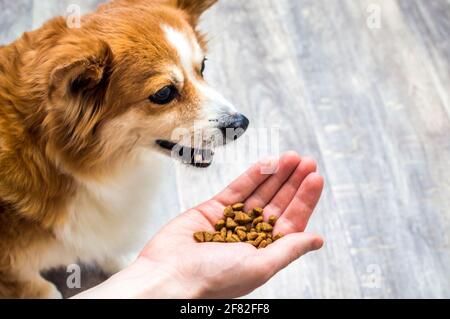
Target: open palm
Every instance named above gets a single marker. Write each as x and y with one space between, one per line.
232 270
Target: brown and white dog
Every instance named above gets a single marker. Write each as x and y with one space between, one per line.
81 111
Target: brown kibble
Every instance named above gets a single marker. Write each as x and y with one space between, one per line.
258 220
236 237
238 207
278 236
258 211
223 232
231 224
199 237
242 234
231 239
240 226
242 218
252 236
262 244
220 224
208 237
263 235
228 212
273 220
218 239
258 241
266 227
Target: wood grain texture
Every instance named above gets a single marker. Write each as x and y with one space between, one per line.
371 105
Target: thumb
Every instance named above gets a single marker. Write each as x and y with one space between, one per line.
288 249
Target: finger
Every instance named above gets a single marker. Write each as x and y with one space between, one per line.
297 214
285 195
241 188
267 190
284 251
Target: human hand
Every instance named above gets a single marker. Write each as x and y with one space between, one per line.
174 265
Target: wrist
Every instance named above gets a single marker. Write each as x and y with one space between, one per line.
144 279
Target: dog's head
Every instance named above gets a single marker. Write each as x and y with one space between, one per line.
132 77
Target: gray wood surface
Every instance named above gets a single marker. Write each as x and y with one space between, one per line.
371 105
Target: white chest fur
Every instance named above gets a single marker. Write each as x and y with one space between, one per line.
111 219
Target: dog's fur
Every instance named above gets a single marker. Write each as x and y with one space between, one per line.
77 127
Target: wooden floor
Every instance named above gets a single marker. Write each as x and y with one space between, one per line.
371 105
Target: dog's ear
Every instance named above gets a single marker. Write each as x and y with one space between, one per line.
86 73
195 8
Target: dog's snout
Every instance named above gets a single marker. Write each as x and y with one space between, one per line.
234 124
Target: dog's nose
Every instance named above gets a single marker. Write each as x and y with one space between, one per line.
234 124
240 121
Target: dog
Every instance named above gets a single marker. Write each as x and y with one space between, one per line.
84 112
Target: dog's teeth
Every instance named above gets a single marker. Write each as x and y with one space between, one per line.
198 158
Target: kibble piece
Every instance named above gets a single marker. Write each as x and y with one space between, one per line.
258 241
263 235
258 220
229 233
228 212
262 244
208 237
242 218
218 239
231 224
252 236
223 232
272 220
266 227
253 230
199 237
242 228
258 228
220 224
242 234
278 236
251 242
231 239
258 211
238 207
236 238
269 241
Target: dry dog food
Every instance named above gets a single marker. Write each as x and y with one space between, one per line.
239 226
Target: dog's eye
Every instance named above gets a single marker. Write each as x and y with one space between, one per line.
202 70
164 96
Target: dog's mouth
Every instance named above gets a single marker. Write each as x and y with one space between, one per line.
197 157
